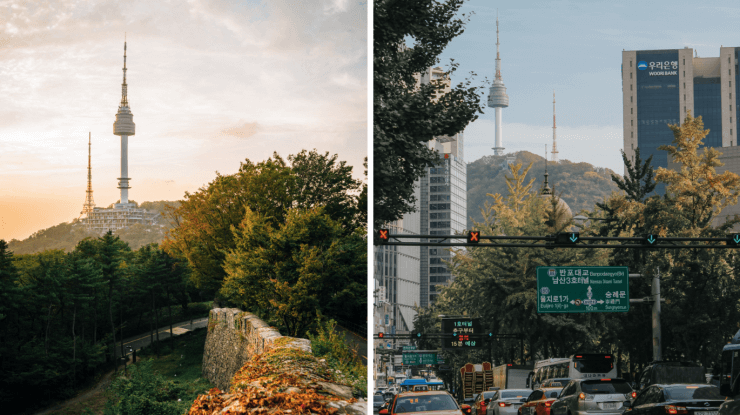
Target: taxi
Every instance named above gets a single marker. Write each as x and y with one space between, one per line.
425 402
540 401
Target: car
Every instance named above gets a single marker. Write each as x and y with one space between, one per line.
438 402
482 401
593 396
689 399
507 401
470 402
539 401
378 400
555 383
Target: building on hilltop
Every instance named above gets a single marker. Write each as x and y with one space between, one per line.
124 213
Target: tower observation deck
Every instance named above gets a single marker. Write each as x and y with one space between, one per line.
498 99
124 127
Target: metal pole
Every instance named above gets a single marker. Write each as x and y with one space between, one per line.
657 353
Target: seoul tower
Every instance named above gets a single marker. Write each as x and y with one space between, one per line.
124 127
498 99
554 151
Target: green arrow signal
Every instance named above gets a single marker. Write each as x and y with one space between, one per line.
736 239
651 239
573 238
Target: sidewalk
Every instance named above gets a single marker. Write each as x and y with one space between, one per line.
143 340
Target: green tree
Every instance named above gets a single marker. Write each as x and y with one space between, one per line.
203 221
290 271
407 115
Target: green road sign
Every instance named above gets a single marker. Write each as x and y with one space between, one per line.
419 358
582 289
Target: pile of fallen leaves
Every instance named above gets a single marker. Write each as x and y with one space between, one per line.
280 381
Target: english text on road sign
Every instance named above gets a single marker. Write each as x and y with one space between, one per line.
582 289
419 358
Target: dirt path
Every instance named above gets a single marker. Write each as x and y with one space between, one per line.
85 395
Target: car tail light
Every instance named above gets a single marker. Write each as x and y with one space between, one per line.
502 404
634 394
548 404
585 397
673 410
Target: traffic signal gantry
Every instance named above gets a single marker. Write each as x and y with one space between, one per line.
559 240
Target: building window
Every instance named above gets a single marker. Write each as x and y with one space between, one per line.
729 72
632 123
630 87
631 111
684 97
684 73
684 61
632 134
631 63
684 87
630 75
630 98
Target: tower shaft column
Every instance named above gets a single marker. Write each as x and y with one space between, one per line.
498 150
123 180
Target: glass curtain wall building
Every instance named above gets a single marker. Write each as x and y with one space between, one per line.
660 87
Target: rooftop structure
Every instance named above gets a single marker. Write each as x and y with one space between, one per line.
498 99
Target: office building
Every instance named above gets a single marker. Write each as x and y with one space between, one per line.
661 87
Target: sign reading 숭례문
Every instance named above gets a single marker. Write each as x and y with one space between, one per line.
582 289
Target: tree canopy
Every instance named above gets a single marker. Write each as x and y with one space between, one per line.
406 113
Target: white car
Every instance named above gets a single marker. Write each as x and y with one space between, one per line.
507 401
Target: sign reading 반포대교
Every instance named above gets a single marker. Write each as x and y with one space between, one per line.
582 289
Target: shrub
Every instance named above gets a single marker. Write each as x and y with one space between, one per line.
329 343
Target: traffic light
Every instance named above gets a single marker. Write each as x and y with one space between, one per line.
381 335
383 234
651 239
733 239
568 238
473 237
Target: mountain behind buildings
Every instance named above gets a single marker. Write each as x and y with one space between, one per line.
67 235
580 185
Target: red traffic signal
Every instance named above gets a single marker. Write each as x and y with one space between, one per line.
383 234
473 237
381 335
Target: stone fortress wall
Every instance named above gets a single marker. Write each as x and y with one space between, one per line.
235 337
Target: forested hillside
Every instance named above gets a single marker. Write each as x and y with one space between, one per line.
581 185
65 236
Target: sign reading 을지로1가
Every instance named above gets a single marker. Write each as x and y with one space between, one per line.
582 289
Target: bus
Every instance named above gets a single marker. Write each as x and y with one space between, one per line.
578 366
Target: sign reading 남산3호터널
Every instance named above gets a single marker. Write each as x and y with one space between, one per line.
582 289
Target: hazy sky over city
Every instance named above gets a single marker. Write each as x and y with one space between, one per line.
574 48
210 84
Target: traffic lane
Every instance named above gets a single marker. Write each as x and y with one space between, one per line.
143 340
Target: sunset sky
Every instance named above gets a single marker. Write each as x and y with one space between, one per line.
210 83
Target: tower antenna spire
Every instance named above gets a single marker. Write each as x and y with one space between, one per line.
89 205
554 151
124 87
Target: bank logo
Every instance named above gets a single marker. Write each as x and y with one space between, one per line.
642 65
545 290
